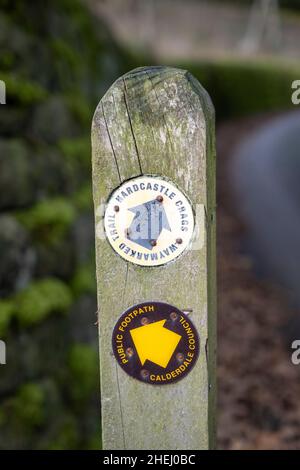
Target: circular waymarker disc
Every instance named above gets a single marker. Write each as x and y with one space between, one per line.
148 221
155 343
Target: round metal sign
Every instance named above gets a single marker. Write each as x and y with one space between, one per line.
156 343
148 221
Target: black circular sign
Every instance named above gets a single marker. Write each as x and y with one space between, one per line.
155 343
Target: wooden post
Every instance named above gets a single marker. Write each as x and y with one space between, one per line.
157 121
2 92
2 352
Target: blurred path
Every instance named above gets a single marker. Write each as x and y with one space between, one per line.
266 174
259 388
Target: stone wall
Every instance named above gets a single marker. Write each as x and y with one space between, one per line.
56 65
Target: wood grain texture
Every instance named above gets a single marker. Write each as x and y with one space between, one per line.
160 121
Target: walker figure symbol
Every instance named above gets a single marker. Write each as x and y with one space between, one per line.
149 221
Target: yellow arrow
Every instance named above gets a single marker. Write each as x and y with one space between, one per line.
155 343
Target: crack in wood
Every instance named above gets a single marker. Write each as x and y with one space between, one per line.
111 144
163 114
131 127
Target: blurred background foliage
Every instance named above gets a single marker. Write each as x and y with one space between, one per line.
57 59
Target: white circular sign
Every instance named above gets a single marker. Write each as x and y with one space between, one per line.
148 221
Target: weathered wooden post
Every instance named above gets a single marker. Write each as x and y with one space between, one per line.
154 194
2 92
2 352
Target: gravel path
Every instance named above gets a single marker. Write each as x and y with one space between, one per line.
259 388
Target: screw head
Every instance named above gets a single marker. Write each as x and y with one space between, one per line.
159 198
116 208
179 241
144 321
145 374
173 316
153 242
129 352
180 357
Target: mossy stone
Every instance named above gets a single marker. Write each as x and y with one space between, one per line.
28 406
83 198
40 299
15 174
55 111
84 280
67 434
84 371
6 314
49 219
17 259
